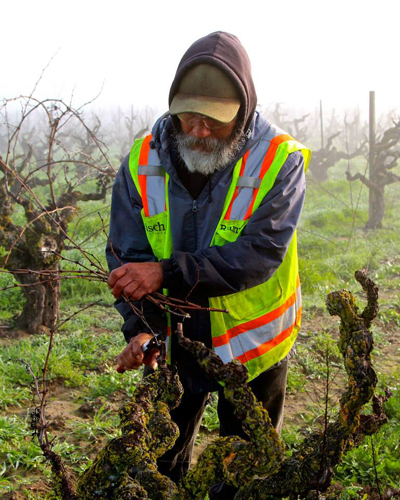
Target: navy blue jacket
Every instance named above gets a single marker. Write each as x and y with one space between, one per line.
247 262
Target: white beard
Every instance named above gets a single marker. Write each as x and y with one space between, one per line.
217 153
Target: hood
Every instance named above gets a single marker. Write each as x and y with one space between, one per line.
227 53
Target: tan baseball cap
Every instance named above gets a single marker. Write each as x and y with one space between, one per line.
207 90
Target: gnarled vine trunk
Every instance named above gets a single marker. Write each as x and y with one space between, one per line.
256 467
384 158
42 304
41 187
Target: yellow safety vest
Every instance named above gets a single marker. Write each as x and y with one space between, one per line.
263 321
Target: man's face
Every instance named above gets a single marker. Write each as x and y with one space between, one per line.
202 127
207 145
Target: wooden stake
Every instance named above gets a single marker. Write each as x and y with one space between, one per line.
371 150
322 124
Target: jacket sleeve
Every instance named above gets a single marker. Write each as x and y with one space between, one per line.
128 243
259 250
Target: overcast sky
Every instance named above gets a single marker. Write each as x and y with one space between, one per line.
301 51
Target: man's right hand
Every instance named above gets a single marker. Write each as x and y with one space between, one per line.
136 279
132 357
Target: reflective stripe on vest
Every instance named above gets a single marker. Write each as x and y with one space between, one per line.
151 179
151 182
238 342
254 169
264 320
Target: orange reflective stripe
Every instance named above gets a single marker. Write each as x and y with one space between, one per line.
256 323
268 346
267 162
269 157
144 151
242 168
142 179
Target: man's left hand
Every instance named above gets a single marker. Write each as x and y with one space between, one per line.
135 280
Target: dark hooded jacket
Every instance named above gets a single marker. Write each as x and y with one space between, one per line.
227 53
194 266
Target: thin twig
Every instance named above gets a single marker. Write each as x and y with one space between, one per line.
58 224
109 240
62 323
195 285
333 196
356 211
375 468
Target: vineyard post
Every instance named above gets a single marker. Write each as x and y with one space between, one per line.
372 195
322 124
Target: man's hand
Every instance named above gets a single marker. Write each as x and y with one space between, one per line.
134 280
132 357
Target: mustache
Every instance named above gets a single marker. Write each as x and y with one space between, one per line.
207 155
207 144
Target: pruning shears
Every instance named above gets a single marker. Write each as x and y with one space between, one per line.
154 344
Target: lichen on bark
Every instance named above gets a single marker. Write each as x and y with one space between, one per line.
127 465
232 459
311 467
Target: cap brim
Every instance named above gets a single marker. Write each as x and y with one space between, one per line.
219 108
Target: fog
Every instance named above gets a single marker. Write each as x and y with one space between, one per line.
301 52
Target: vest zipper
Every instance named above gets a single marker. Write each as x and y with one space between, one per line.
194 210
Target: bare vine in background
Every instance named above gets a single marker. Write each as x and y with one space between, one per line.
385 157
48 174
327 156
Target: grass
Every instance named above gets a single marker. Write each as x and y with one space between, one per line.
389 312
82 356
10 300
332 245
82 363
104 424
21 456
378 456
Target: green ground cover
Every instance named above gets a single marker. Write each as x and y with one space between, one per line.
86 391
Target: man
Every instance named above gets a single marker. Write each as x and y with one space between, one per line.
208 206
